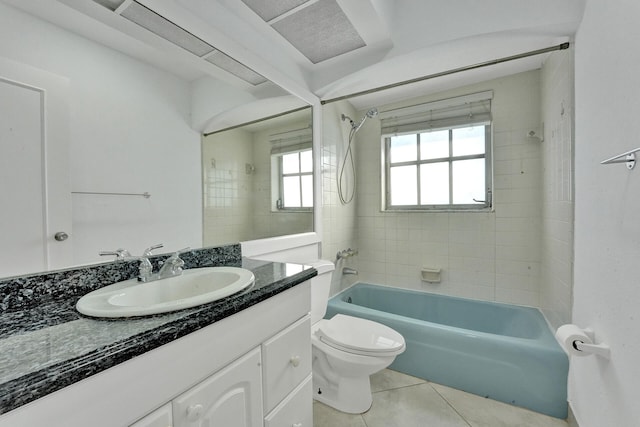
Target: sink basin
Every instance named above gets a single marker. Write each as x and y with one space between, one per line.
192 288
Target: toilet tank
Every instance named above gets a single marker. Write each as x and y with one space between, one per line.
320 288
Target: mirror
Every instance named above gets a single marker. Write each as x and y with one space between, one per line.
258 179
134 120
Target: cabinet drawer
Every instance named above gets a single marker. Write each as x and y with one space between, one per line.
295 410
286 361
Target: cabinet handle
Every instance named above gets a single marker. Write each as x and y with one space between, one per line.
295 361
194 412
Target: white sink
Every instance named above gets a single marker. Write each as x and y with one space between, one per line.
194 287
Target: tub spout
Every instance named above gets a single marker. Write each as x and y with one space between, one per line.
349 270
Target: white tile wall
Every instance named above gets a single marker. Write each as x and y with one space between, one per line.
557 183
237 204
227 188
339 230
490 256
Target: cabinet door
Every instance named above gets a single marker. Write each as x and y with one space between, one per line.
230 398
161 417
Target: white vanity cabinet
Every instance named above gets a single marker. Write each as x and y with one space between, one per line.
231 397
247 370
161 417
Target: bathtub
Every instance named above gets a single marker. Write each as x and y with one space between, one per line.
500 351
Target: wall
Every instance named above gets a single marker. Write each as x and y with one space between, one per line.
130 132
607 209
338 219
228 189
237 204
556 272
266 222
489 256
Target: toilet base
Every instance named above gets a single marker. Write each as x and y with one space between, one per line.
349 395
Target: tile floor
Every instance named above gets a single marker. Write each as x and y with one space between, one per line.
400 400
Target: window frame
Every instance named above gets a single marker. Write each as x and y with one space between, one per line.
278 200
487 202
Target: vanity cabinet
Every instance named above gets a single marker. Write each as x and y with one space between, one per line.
231 397
274 379
161 417
250 369
286 361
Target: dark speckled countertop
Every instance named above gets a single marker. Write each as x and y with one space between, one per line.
45 347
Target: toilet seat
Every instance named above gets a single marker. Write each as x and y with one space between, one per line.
359 336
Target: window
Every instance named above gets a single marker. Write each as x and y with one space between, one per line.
447 167
295 180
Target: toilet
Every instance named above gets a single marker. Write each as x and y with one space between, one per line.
346 350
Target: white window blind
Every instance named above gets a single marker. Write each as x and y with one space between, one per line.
291 141
462 111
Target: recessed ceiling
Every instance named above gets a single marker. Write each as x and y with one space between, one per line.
324 48
164 28
320 30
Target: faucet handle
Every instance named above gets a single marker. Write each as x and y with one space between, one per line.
120 254
177 253
147 252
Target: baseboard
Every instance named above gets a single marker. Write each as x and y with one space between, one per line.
571 419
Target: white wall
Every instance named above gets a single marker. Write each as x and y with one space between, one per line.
338 220
556 273
228 190
489 256
130 132
266 222
237 205
607 214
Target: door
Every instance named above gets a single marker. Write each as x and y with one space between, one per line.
34 170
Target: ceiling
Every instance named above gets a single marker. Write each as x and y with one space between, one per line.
322 48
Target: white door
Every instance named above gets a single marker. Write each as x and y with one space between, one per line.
34 170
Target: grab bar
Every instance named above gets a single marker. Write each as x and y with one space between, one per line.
627 157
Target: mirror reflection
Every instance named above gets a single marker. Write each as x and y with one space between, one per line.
118 163
258 180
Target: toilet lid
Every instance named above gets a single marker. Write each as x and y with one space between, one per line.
360 336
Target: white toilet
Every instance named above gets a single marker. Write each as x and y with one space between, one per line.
346 350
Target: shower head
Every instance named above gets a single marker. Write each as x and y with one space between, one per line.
356 126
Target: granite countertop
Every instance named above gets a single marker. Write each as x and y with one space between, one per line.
49 346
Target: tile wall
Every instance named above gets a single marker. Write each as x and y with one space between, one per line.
236 167
557 180
490 256
339 220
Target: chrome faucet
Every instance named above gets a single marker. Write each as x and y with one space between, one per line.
170 268
173 265
145 269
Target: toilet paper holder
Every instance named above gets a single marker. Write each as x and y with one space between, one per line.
601 349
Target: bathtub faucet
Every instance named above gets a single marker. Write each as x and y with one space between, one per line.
349 270
346 253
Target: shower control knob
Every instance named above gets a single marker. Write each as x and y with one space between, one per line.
61 236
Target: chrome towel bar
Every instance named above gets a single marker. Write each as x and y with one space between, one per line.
146 195
627 157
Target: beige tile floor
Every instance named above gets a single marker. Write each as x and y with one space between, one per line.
400 400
